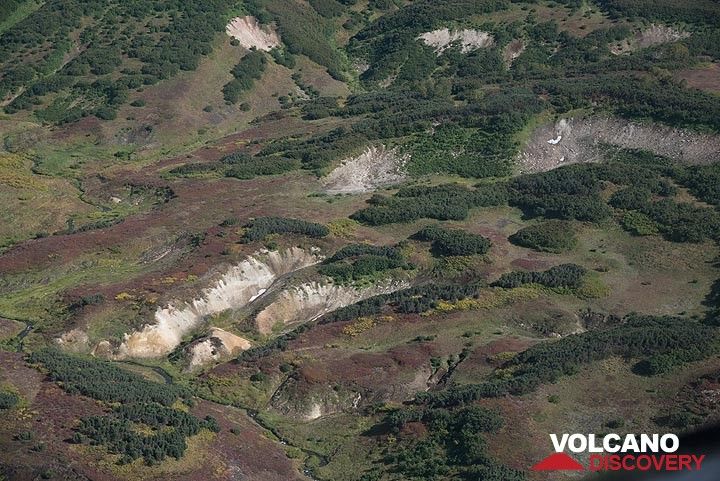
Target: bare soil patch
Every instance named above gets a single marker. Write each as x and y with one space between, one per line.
248 31
581 140
707 78
374 168
651 36
467 39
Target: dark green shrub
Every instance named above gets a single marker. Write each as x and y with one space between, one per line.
8 400
564 275
260 227
453 242
630 198
550 236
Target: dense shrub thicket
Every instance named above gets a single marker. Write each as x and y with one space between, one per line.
246 72
104 381
139 403
117 432
453 242
455 444
318 151
549 236
691 11
573 192
564 275
443 202
303 29
663 341
389 43
631 97
357 262
8 400
703 181
238 165
261 227
357 250
243 166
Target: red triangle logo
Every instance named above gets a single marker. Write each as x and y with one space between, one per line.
558 462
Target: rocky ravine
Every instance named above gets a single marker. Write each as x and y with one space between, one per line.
237 287
311 300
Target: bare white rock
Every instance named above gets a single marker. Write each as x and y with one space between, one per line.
248 31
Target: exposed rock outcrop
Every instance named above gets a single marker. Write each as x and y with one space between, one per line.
467 39
584 140
651 36
218 345
374 168
248 31
237 287
311 300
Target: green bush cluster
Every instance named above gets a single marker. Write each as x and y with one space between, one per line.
666 102
138 402
303 30
453 242
358 262
248 167
684 222
238 165
261 227
571 192
691 11
549 236
117 432
8 400
246 72
318 151
565 275
703 181
442 202
358 250
390 42
455 445
104 381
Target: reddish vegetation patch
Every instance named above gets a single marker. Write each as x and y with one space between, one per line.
506 344
247 453
239 141
528 445
414 430
199 204
50 417
704 78
702 396
530 264
9 328
390 376
89 126
481 363
15 372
